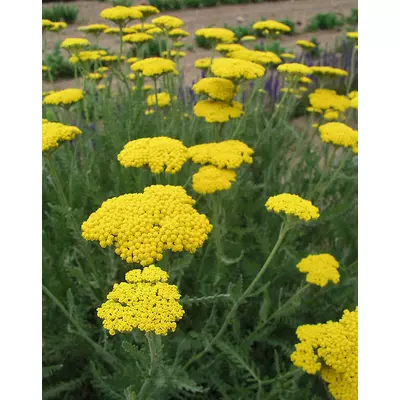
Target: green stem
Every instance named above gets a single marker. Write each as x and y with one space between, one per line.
351 75
153 358
284 229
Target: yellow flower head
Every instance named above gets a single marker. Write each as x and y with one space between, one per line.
218 111
121 14
339 134
229 47
178 33
112 59
101 87
231 68
332 349
94 76
294 69
93 28
159 153
178 45
215 88
147 11
210 179
258 57
173 54
102 69
229 154
292 204
203 63
163 99
138 28
64 97
320 269
74 43
47 24
137 37
306 80
58 26
44 68
154 66
305 44
331 115
248 38
143 225
216 34
167 22
132 60
354 102
272 26
352 35
328 71
113 31
54 132
146 301
325 99
288 56
82 56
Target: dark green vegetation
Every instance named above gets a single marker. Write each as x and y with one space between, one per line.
60 12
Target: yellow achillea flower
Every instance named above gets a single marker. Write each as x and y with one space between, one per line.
163 98
326 99
294 69
258 57
54 132
131 76
132 60
102 69
306 80
332 349
159 153
203 63
215 88
229 47
218 111
339 134
139 37
248 38
114 31
210 179
178 33
288 56
320 269
138 28
178 45
121 14
173 53
216 34
154 66
229 154
331 115
292 204
149 111
44 68
143 225
231 68
101 87
146 301
64 97
112 59
47 24
271 25
315 110
58 26
154 31
167 22
47 93
147 11
93 28
74 43
353 96
305 44
352 35
90 55
95 76
328 71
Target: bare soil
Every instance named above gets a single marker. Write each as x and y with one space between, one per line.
299 11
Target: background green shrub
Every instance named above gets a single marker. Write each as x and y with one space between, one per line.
352 19
290 23
324 21
57 13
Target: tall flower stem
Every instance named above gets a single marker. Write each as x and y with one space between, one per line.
153 364
284 229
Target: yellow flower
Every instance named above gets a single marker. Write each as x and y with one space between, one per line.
234 69
147 11
288 56
295 69
331 115
325 99
328 71
143 225
132 60
58 26
248 38
102 69
149 111
177 33
203 63
47 93
74 43
120 14
218 111
306 80
163 98
94 76
64 97
54 132
83 56
167 22
138 28
137 37
178 45
292 204
111 59
315 110
332 349
44 68
173 53
320 269
229 47
159 153
210 179
101 87
216 34
259 57
271 25
93 28
154 66
339 134
146 302
146 88
229 154
113 31
215 88
352 35
47 24
354 102
305 44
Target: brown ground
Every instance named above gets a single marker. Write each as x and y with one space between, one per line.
299 11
